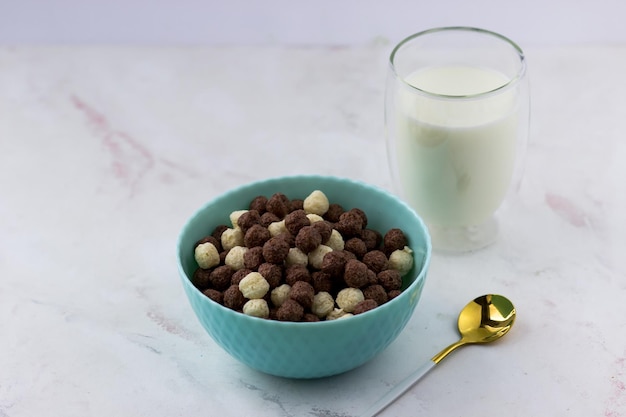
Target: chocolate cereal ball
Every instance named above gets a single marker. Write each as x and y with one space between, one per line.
355 274
310 317
295 273
212 239
233 298
334 211
214 295
372 238
200 278
248 219
239 275
322 281
275 250
356 246
279 205
303 293
324 228
221 277
256 235
377 293
253 258
290 310
350 224
268 218
390 279
297 204
334 263
376 261
295 221
394 239
365 305
272 273
217 232
308 238
393 294
258 203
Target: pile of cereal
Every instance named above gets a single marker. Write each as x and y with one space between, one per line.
301 260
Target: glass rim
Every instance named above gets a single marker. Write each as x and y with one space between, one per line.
514 80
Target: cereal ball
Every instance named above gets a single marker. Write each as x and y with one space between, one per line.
217 232
232 238
324 228
200 278
316 256
334 263
348 255
221 277
372 278
393 294
376 261
257 308
303 293
256 235
275 250
214 295
272 273
290 310
363 306
350 224
297 204
296 220
401 260
323 304
355 274
372 238
316 203
348 298
362 215
254 286
314 218
334 212
280 294
258 203
308 238
248 219
253 258
337 313
377 293
295 273
268 218
212 239
279 205
322 281
310 318
207 256
233 298
277 228
296 257
393 240
335 241
287 237
234 216
356 246
239 275
234 258
390 279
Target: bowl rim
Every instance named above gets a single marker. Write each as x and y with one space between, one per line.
418 281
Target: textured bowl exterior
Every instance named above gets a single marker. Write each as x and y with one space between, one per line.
308 350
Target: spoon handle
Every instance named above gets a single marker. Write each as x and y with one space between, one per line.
398 390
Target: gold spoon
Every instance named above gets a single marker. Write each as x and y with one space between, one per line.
485 319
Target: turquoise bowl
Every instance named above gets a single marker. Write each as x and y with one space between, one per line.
308 350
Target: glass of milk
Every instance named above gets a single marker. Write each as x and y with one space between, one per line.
457 117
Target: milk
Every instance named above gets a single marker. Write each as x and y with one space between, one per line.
455 155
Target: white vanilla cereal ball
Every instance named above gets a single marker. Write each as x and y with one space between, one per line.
401 260
232 238
314 218
316 256
345 316
337 313
254 285
296 257
257 307
277 228
316 203
235 215
323 304
348 298
234 257
206 255
280 294
335 241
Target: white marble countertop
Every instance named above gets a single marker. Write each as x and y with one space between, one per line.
104 152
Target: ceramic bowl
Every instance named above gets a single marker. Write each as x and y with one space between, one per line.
307 350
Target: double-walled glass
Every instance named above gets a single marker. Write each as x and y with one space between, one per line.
457 116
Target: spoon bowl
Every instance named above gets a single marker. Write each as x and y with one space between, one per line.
482 320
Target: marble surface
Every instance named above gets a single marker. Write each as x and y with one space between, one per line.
104 152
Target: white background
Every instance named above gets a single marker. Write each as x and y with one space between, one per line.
336 22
